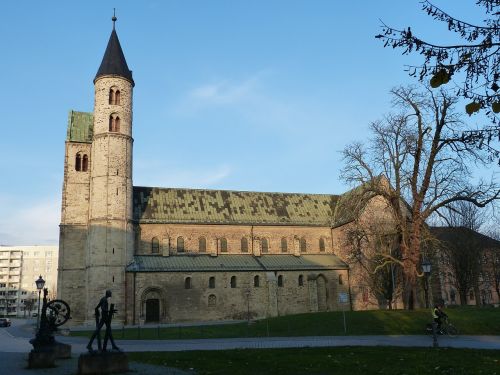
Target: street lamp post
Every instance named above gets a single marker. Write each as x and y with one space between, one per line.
40 283
426 267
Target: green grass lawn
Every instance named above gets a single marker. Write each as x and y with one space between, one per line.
348 360
469 320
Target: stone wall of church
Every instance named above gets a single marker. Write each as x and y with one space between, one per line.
168 235
226 300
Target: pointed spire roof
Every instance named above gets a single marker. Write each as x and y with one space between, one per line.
113 62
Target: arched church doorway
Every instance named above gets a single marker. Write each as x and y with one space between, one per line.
152 310
153 305
322 298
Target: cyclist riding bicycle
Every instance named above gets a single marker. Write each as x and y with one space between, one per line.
438 314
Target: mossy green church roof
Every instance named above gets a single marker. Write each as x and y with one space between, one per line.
80 127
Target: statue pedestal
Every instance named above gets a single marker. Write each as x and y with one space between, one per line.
102 363
42 358
63 351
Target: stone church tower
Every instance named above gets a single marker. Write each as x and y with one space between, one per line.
96 232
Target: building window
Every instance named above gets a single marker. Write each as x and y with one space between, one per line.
322 245
85 163
212 300
256 281
341 280
280 281
211 282
114 123
202 245
303 245
265 245
223 245
180 244
187 283
78 163
233 281
155 245
301 280
114 96
284 245
244 245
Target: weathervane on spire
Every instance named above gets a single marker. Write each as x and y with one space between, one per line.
114 18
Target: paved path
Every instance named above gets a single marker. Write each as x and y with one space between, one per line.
14 346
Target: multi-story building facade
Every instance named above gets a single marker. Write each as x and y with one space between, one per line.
20 267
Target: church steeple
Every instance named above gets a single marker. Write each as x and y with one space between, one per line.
114 63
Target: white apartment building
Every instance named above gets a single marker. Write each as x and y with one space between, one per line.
20 267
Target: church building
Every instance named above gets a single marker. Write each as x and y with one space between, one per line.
170 254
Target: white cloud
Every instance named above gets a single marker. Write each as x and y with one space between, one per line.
29 223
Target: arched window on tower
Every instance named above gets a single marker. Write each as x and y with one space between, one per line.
117 97
111 96
155 245
114 123
85 163
78 163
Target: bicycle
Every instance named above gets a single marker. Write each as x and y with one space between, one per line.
446 328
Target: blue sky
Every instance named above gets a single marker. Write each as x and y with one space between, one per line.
242 95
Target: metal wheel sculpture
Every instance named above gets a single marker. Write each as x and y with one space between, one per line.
58 312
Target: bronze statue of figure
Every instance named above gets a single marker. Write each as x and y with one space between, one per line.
102 318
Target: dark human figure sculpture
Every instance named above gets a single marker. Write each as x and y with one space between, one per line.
102 318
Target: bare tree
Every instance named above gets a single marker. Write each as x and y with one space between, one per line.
419 170
464 214
495 259
472 65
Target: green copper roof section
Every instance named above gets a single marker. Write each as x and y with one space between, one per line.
164 205
234 262
80 127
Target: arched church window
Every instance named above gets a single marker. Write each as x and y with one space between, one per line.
341 280
322 245
233 281
155 245
265 245
114 96
117 97
85 163
202 244
280 281
180 244
211 282
78 163
256 281
244 245
284 245
111 96
212 300
301 280
223 245
187 283
303 245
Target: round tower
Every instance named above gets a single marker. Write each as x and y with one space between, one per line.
110 239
